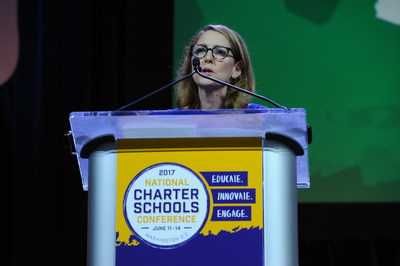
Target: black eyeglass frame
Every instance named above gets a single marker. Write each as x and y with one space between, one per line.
212 51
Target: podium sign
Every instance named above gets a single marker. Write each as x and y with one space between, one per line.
192 187
190 198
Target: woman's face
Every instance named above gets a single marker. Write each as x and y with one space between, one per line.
222 69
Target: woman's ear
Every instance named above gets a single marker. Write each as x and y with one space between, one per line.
237 69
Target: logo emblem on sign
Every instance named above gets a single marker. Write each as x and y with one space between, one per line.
166 205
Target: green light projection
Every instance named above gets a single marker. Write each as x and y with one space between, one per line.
337 60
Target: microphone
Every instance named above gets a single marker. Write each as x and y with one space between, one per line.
196 64
197 69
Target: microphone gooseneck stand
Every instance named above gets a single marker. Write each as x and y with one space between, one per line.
156 91
197 70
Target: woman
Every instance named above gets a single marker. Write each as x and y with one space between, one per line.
223 55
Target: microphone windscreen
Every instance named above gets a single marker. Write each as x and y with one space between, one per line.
196 63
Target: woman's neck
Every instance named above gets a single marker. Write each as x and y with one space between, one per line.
212 98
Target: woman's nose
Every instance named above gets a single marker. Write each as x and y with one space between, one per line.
209 56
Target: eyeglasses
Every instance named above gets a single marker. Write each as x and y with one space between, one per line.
218 52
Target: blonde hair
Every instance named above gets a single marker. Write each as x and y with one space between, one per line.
187 93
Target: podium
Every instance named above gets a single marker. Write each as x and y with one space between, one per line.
192 187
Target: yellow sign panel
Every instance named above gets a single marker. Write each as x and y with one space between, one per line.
170 191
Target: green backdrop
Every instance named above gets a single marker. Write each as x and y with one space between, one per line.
337 60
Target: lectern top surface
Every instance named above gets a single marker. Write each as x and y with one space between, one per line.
175 123
188 112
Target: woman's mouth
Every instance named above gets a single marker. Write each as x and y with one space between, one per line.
207 71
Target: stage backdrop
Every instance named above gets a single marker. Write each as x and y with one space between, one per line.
338 59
